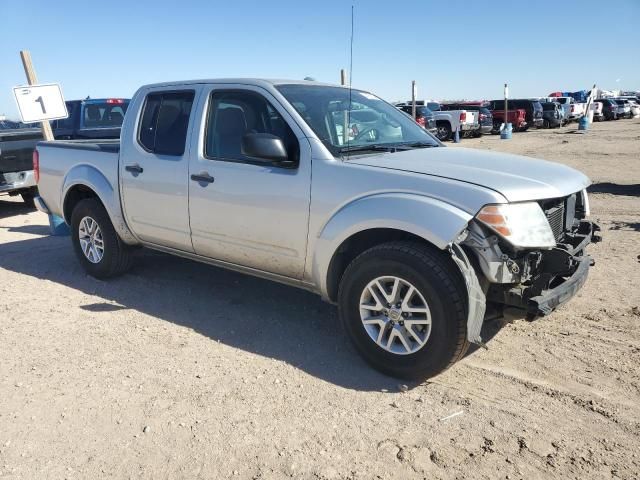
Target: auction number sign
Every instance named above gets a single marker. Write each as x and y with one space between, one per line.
37 103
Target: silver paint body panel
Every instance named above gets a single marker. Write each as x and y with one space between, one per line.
287 224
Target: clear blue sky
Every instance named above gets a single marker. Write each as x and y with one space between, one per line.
110 47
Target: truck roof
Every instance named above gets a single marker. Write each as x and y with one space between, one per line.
261 82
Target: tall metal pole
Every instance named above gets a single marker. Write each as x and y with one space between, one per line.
413 99
506 105
32 79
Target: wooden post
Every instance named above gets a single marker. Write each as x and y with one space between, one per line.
32 79
413 99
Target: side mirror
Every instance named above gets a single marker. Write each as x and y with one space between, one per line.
266 147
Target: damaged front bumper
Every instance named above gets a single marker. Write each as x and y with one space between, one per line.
555 275
550 299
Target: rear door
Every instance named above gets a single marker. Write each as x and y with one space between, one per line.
154 167
242 211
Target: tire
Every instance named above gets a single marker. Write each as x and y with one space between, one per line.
116 256
546 123
444 131
436 280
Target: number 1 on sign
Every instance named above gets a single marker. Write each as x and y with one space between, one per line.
41 102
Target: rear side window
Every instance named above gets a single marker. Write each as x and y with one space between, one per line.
107 114
165 118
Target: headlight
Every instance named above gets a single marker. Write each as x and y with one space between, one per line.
522 224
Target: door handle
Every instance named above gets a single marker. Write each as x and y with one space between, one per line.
135 169
203 177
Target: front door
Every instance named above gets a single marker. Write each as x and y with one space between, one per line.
154 169
242 211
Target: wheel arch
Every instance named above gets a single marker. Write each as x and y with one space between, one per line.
85 181
379 219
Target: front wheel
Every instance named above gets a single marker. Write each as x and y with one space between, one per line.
96 243
404 308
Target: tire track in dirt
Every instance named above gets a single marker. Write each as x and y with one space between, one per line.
577 399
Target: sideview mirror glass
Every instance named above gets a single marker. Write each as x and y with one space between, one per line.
266 147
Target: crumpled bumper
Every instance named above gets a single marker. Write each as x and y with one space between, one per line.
559 274
549 300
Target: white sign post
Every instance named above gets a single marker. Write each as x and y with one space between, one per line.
37 103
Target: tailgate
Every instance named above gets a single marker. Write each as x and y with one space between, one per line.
16 149
473 117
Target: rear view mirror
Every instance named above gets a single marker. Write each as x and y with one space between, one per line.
266 147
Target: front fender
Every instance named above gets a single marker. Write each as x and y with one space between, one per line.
90 177
437 222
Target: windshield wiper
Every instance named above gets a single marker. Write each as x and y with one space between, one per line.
386 147
419 145
374 147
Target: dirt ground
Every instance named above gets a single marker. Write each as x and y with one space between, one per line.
181 370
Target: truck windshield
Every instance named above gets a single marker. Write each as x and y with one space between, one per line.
103 114
346 121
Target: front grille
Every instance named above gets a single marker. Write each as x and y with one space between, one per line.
556 220
554 210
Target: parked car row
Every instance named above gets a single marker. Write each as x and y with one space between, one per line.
476 118
617 108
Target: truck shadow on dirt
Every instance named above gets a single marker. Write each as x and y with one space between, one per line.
11 209
248 313
630 190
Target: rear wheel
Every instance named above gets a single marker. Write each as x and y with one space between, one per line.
96 243
404 307
444 131
546 123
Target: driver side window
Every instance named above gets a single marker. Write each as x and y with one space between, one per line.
234 113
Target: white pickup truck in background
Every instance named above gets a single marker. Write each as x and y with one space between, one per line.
448 121
451 120
573 109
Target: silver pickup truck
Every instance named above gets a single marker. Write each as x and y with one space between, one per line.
415 242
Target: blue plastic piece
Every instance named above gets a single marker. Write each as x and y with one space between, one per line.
505 132
583 123
58 227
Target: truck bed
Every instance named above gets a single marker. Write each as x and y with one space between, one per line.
61 161
16 149
111 145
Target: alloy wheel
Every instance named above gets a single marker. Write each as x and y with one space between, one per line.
395 315
91 241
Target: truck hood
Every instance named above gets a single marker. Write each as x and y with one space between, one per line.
516 177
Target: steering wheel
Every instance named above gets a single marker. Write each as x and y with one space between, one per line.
370 134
